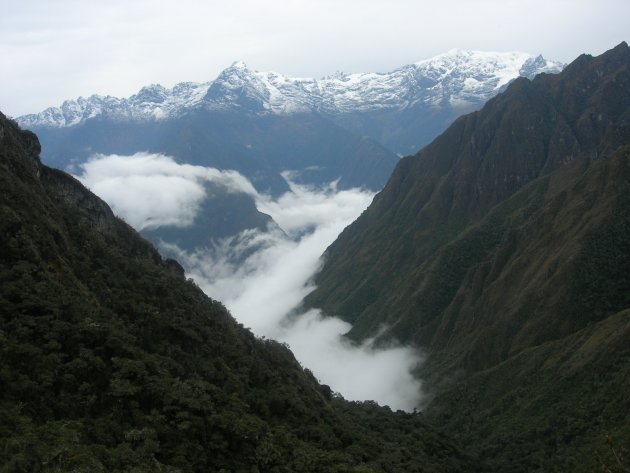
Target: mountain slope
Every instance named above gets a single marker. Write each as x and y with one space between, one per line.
260 148
503 240
111 361
481 160
558 406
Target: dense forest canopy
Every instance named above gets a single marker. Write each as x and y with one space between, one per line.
110 360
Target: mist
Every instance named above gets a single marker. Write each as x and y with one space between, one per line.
152 190
275 270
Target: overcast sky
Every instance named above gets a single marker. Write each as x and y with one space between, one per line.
51 50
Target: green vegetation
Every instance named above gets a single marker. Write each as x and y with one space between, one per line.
502 249
602 268
111 361
549 408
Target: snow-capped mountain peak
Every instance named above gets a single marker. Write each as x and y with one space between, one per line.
153 93
456 78
239 65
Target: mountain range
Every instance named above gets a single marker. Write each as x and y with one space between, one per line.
502 250
347 128
459 80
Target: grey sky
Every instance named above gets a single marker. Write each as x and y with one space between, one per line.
51 50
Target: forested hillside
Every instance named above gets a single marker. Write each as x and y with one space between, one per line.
110 360
502 249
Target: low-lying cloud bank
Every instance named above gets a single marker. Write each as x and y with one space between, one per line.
152 190
276 268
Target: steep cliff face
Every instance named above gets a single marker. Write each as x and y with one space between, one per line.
503 242
112 361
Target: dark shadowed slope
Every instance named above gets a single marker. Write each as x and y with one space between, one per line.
259 147
110 360
522 135
503 249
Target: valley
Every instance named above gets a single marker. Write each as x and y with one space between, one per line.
349 278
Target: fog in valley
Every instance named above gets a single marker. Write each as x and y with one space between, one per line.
262 277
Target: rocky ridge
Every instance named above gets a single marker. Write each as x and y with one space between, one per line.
456 78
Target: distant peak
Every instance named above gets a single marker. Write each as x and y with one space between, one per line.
457 52
153 93
237 69
239 65
465 76
338 75
621 48
153 87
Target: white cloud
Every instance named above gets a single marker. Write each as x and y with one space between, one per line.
269 285
274 270
305 208
358 372
152 190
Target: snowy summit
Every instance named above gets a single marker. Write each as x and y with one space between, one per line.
456 78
